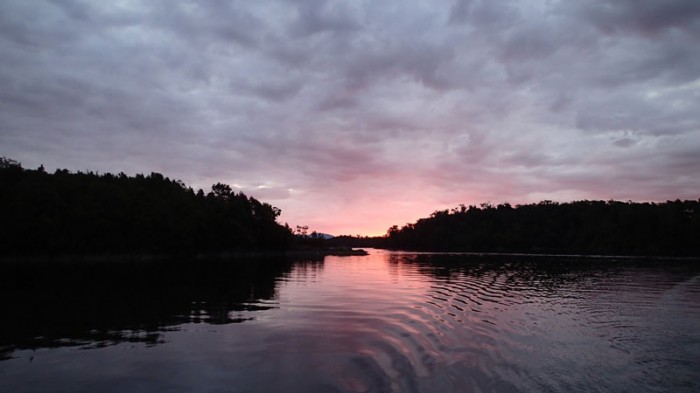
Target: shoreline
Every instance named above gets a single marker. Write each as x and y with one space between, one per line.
294 254
152 257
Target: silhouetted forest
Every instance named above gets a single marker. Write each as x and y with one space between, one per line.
89 213
582 227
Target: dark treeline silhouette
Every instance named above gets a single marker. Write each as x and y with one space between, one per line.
89 213
582 227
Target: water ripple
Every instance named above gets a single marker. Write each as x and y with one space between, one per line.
410 322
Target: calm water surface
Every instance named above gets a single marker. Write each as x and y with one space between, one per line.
387 322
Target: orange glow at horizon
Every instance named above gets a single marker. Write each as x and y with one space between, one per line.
369 206
360 220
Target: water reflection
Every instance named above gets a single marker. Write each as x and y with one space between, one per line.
388 322
100 304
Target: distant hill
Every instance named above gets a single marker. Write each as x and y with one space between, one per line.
356 241
319 235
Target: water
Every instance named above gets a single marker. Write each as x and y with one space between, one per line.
387 322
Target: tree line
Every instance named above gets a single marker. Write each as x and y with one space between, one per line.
90 213
580 227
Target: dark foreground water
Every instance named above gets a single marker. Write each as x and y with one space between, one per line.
388 322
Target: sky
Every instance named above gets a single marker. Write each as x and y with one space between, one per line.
352 116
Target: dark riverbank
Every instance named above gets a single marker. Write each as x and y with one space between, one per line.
175 258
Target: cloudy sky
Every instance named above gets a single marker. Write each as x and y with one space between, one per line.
354 115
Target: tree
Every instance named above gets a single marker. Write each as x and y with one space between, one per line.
6 163
302 230
221 190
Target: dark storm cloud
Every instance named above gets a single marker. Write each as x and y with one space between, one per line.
318 16
647 17
201 22
348 106
485 14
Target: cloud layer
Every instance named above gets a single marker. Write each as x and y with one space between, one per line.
352 116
